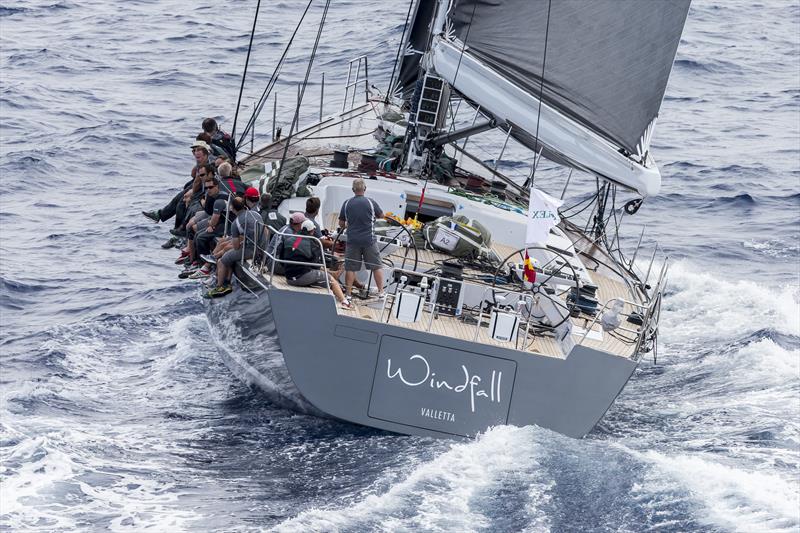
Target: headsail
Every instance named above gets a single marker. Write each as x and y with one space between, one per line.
606 69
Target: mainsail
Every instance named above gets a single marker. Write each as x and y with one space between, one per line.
600 67
416 43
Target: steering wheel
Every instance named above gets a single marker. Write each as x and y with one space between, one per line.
393 222
538 288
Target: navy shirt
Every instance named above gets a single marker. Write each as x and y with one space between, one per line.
273 219
360 214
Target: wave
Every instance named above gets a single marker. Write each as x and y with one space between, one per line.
740 200
439 495
704 306
115 497
774 248
731 497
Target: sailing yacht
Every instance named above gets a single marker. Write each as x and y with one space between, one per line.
500 306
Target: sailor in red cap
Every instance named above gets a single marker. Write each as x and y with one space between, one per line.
247 239
251 195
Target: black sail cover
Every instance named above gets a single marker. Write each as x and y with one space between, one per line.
417 38
607 63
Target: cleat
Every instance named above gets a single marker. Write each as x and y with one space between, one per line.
155 216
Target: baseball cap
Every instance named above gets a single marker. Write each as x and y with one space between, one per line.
202 144
251 192
297 218
308 225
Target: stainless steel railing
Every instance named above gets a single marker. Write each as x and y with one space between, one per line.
351 87
268 254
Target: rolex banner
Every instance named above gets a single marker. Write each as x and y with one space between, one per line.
542 215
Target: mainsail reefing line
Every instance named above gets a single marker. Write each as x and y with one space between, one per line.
608 64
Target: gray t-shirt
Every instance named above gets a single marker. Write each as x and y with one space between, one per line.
248 224
360 214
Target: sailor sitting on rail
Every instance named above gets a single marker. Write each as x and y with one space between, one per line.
177 207
226 242
247 236
209 230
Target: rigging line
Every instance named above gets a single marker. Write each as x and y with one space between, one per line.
464 44
569 212
320 127
399 48
244 74
259 106
303 89
530 181
273 79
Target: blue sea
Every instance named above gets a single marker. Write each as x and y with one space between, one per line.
117 413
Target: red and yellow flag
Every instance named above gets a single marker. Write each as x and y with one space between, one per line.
528 271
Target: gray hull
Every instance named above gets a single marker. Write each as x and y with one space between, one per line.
418 383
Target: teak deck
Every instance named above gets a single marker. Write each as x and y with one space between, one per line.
457 327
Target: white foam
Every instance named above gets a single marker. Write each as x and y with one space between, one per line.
37 491
777 248
702 306
438 495
730 496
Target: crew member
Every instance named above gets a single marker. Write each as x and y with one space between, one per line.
358 215
299 246
247 236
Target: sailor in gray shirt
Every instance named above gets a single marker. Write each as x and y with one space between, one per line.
247 236
358 215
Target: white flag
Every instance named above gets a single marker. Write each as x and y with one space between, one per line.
542 215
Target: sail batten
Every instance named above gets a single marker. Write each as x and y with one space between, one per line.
608 61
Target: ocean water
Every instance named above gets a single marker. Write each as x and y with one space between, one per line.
116 412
